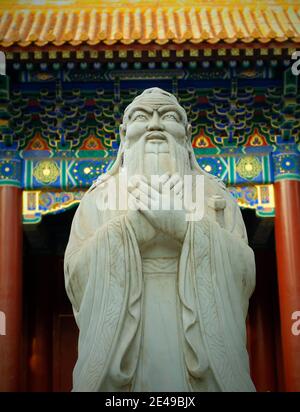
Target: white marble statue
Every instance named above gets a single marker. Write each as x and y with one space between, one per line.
160 300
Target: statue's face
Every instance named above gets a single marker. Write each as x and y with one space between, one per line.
155 123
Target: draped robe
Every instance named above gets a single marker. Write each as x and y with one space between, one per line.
104 281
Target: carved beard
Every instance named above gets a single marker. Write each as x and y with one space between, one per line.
177 158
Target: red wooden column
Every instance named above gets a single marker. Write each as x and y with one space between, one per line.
261 336
42 275
287 232
10 286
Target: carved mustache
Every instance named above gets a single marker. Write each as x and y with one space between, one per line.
156 135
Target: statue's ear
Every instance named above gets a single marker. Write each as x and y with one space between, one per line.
122 131
188 132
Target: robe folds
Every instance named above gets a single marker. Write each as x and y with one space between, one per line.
104 281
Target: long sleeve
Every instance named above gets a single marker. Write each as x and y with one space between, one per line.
216 279
85 231
104 282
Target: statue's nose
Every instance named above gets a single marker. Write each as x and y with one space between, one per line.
155 122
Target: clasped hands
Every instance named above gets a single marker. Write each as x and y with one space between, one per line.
160 204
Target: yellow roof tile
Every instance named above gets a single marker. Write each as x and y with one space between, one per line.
58 22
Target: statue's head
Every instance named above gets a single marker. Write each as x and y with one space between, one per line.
154 122
155 110
155 132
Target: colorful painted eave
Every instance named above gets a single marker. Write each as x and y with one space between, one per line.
71 22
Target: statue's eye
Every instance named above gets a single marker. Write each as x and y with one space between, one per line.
140 117
170 116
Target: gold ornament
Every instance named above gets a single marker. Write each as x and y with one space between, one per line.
46 172
249 167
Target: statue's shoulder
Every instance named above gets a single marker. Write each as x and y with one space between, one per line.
215 181
99 183
214 185
97 188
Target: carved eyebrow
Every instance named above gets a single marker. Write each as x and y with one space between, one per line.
139 109
165 109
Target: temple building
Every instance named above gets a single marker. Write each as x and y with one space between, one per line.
72 66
